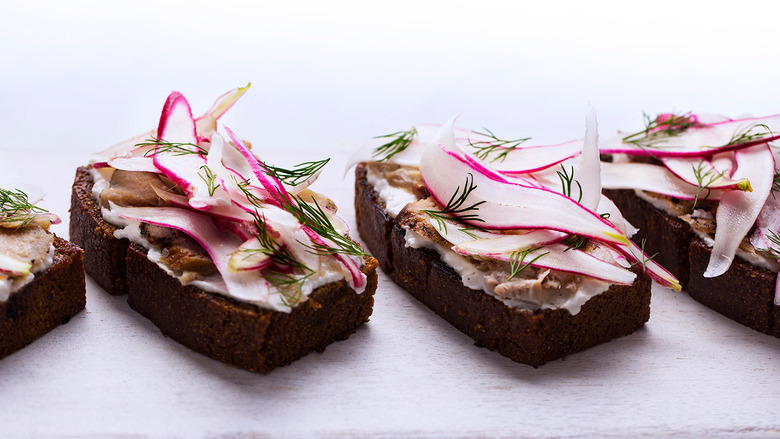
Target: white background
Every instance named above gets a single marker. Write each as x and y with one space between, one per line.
79 76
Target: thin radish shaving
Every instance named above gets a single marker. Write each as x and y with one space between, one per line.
656 272
508 243
737 210
510 206
698 171
13 266
702 139
356 278
650 178
220 246
562 258
187 170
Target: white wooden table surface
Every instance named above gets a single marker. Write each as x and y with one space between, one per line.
78 76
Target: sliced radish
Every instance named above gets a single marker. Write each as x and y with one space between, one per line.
207 123
650 178
249 256
14 267
737 210
562 258
659 274
510 206
356 279
188 171
698 171
508 244
247 286
704 140
139 164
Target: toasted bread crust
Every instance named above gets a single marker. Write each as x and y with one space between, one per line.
51 299
530 337
230 331
744 293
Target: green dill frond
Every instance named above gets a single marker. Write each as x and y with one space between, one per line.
517 264
566 182
15 207
300 173
210 179
455 209
176 148
399 141
704 180
484 148
660 129
643 259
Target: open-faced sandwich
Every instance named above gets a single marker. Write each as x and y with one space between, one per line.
41 275
514 246
232 257
703 192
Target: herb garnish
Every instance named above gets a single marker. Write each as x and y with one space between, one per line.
176 148
299 174
455 209
704 179
400 140
486 147
516 264
661 128
210 178
15 207
645 259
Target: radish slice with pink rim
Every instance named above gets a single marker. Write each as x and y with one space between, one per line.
700 172
652 178
659 274
507 244
737 210
562 258
188 171
704 140
207 123
246 286
532 208
13 266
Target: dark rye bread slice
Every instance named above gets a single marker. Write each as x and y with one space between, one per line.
530 337
745 293
51 299
219 327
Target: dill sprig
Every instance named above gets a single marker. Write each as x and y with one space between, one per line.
399 141
776 183
516 261
575 242
566 182
314 217
300 173
704 180
311 215
662 128
774 238
210 178
748 134
486 147
455 209
176 148
15 207
644 259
